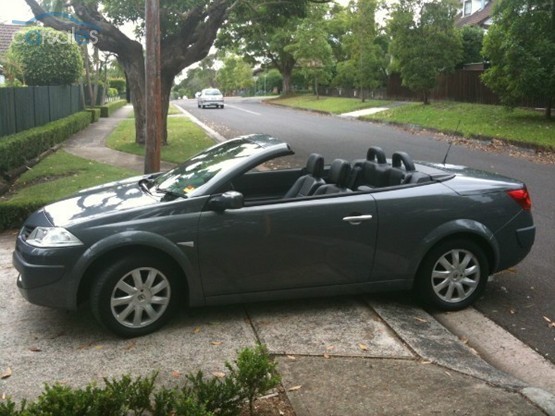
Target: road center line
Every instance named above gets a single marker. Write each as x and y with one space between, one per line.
242 109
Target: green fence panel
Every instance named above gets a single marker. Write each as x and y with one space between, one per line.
42 106
24 109
7 112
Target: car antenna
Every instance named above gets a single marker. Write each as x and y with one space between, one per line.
450 144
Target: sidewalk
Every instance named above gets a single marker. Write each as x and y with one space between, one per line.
351 356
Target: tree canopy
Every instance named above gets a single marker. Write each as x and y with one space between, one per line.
46 57
520 46
424 41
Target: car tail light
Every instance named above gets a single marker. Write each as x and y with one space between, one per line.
521 197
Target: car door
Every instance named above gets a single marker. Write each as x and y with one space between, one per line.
293 244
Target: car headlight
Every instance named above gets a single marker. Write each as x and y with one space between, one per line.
52 237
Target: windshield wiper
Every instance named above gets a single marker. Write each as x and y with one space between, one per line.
145 184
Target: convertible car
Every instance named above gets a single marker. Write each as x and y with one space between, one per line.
224 227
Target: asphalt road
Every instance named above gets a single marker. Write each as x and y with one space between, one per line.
521 299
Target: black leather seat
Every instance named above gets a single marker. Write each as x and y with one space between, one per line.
307 184
401 166
339 177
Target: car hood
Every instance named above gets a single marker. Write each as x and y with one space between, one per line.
99 201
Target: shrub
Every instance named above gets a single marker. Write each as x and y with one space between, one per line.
95 114
46 56
108 109
119 84
19 148
253 373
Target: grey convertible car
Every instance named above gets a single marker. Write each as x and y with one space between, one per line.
224 228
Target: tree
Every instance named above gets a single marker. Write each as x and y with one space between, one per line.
424 42
311 50
520 46
473 39
46 57
189 28
235 75
366 63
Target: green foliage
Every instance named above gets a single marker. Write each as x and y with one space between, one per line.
473 39
108 109
366 57
95 114
118 83
424 41
311 49
253 374
47 56
521 48
17 149
235 75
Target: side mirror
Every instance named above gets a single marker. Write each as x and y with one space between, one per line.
227 200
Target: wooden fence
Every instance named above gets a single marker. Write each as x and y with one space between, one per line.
461 85
27 107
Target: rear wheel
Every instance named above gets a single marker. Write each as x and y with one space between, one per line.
135 296
453 275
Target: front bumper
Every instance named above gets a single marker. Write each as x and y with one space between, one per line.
44 275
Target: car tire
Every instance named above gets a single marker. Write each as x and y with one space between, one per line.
135 296
453 275
222 106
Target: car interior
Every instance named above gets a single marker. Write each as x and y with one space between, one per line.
372 174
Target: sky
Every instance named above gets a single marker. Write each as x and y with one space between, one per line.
14 10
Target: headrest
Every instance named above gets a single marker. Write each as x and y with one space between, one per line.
339 172
315 165
376 153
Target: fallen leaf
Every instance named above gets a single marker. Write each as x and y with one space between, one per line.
448 373
512 311
420 319
291 357
130 345
6 373
363 347
35 349
326 355
216 342
196 330
294 388
547 319
330 347
218 374
426 362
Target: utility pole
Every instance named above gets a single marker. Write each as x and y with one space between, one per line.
153 87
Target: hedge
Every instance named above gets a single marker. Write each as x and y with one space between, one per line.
13 214
95 114
108 109
17 149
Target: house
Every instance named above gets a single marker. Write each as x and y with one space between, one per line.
6 35
475 13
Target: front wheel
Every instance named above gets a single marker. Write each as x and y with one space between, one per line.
453 275
135 296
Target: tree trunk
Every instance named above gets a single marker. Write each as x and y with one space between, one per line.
426 100
548 108
135 69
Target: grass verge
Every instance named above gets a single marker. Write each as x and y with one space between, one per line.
184 139
522 126
54 178
334 105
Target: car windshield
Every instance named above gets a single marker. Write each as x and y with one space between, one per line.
212 92
204 166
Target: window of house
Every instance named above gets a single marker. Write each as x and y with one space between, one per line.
467 7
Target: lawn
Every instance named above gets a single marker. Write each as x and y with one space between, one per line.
185 139
334 105
62 174
523 126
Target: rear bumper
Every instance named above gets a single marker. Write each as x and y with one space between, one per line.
517 239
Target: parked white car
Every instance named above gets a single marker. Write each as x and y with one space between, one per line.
210 97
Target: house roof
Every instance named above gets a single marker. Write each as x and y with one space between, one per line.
6 35
477 19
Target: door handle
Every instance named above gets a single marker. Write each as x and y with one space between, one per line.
357 219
